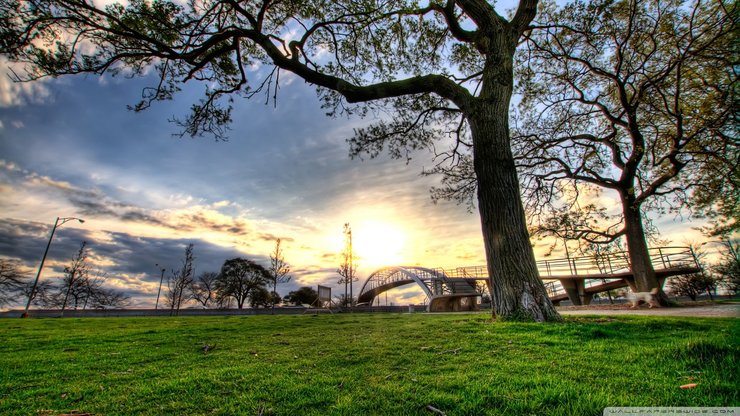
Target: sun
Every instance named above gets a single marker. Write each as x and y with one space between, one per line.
378 243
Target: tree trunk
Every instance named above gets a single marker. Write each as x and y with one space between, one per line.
517 292
637 248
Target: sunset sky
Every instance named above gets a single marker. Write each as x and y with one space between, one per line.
70 148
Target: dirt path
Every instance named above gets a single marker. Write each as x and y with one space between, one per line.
711 310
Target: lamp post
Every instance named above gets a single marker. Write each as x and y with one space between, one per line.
57 223
156 305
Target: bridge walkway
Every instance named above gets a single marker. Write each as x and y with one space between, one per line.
576 279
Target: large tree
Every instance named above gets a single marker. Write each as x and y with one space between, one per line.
636 97
239 278
442 69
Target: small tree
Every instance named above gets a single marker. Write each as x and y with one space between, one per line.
12 281
203 288
75 278
347 266
343 301
260 297
305 295
239 277
279 270
693 285
105 298
180 282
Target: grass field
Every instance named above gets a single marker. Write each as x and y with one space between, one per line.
363 364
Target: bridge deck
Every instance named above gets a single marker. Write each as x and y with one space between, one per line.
590 273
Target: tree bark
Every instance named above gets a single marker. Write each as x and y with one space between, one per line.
517 292
637 247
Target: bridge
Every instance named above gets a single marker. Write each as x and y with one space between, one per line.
576 279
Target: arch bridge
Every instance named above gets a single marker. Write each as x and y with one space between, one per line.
574 278
443 292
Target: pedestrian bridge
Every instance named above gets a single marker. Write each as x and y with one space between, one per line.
576 279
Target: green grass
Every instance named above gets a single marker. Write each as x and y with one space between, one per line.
381 364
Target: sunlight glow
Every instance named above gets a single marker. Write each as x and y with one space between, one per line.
378 243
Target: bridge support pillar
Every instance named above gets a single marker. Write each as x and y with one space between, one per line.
576 290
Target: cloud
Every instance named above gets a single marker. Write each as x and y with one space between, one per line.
127 260
14 93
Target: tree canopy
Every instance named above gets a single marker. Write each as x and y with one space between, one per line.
304 296
637 97
239 278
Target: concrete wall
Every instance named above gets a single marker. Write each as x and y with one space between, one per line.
104 313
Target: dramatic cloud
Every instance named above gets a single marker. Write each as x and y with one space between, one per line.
284 173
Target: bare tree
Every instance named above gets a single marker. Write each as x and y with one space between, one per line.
12 281
81 287
442 72
347 266
75 278
180 282
203 288
693 285
43 296
279 270
343 301
101 297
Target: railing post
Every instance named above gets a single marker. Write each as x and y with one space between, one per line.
693 256
662 259
609 262
574 270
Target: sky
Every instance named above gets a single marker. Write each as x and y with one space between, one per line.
70 148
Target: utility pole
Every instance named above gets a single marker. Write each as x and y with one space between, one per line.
161 278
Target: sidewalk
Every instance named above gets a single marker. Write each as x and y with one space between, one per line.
728 310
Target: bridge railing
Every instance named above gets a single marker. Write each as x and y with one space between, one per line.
600 264
615 262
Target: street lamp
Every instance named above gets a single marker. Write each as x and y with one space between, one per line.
160 287
57 223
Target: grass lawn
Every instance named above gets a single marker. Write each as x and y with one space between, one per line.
364 364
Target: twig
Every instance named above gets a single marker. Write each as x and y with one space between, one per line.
435 410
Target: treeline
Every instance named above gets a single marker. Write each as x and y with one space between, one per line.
80 286
240 282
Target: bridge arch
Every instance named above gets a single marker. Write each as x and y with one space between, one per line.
388 278
443 293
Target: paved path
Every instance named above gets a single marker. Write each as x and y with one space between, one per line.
723 310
